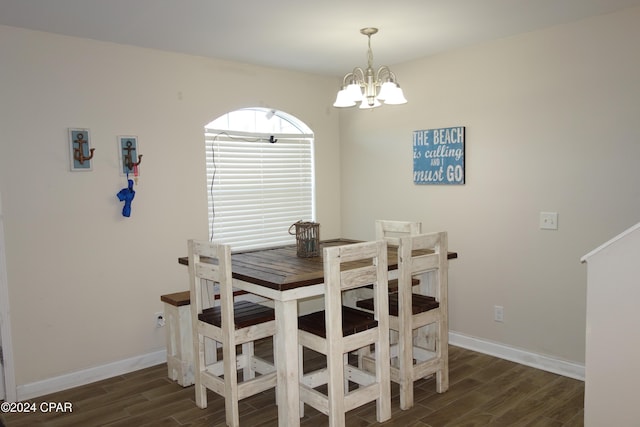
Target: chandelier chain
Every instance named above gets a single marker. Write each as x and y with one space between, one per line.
369 54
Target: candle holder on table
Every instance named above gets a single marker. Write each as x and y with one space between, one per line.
307 238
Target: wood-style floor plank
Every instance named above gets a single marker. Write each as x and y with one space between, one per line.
484 391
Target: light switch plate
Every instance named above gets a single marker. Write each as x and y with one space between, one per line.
548 220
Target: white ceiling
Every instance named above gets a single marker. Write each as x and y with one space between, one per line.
319 36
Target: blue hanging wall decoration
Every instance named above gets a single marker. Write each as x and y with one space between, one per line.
126 195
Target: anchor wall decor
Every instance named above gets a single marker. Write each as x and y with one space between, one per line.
80 149
128 148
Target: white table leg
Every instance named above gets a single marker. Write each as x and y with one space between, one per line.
287 363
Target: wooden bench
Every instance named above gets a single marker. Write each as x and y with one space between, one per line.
177 315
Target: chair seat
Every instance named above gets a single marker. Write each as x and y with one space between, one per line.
246 314
353 321
419 304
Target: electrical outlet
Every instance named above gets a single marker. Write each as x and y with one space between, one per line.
159 319
548 220
498 313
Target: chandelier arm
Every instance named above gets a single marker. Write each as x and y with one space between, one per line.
385 71
358 75
345 78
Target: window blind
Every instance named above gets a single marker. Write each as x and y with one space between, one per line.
257 189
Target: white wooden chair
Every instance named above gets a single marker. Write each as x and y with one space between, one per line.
230 324
413 358
338 330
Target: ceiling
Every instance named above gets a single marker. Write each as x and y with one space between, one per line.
320 36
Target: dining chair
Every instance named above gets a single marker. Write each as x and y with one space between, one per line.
230 324
410 311
338 330
391 231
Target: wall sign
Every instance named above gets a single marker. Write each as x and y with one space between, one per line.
438 156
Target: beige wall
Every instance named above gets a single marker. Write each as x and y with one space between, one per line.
550 119
551 125
85 282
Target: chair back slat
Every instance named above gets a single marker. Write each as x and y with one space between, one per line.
392 231
207 271
427 241
351 252
358 277
424 263
205 249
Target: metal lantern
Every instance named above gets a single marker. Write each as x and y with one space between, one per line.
307 238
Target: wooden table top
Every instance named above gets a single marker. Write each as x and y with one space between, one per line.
281 269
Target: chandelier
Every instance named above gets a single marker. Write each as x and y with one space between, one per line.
368 87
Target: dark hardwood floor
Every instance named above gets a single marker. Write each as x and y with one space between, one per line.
484 391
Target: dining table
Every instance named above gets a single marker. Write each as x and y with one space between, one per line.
277 273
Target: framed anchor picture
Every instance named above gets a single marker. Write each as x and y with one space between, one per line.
80 151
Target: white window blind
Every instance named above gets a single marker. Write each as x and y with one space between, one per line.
257 189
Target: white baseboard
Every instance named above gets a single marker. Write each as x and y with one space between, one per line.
87 376
538 361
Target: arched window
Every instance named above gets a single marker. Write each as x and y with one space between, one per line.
260 175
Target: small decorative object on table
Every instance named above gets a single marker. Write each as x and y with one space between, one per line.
307 238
